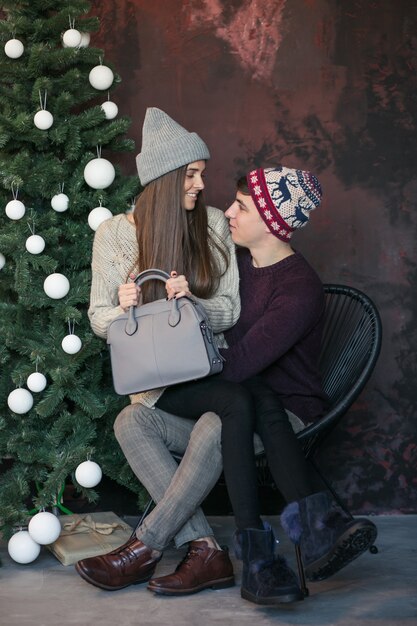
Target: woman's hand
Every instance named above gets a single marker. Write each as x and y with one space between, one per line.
129 294
177 286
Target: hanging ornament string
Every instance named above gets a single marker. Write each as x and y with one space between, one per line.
15 190
31 221
71 327
43 104
132 205
32 227
71 21
99 152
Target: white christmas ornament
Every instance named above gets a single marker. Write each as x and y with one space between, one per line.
97 216
36 382
110 109
99 173
71 344
15 209
20 401
56 286
14 48
71 38
60 202
85 40
44 528
22 548
88 474
101 77
35 244
43 120
2 261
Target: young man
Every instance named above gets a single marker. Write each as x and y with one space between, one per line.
273 349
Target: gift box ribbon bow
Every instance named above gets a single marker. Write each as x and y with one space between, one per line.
87 524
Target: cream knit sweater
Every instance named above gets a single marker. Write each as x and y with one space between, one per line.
115 253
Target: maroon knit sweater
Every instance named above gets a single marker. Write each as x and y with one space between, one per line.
279 331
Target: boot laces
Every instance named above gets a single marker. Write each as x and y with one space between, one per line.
192 553
125 552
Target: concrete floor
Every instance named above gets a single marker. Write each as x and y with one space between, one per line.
378 590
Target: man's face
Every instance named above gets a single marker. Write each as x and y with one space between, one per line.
246 225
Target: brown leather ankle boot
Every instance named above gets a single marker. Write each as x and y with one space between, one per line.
201 568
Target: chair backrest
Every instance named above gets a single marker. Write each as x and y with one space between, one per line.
351 344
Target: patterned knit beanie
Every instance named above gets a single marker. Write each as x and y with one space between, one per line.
284 198
166 146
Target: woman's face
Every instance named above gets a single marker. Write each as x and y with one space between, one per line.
193 183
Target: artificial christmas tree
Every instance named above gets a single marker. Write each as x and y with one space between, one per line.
57 405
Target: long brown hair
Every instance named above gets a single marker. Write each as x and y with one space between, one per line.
171 238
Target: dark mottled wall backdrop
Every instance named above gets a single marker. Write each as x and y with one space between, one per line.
329 85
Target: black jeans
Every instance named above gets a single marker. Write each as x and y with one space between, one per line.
244 409
293 475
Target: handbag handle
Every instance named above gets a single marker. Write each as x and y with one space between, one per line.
151 274
142 277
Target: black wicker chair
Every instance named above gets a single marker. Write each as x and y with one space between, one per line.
351 344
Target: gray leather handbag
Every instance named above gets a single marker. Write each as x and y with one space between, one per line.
161 343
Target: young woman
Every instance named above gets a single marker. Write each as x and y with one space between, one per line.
170 229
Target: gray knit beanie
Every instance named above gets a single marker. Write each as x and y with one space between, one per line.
166 146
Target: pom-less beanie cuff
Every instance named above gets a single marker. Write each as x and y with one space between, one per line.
166 146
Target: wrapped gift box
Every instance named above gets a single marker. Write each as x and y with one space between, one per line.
91 534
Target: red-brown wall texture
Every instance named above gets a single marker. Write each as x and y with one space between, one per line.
329 85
